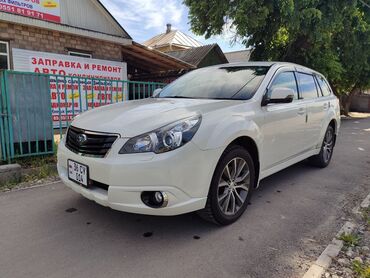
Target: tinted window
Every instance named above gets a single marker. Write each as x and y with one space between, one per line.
217 83
307 86
285 80
325 89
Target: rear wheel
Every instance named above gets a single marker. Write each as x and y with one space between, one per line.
231 187
323 159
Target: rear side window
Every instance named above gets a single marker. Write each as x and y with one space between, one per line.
325 89
285 80
307 86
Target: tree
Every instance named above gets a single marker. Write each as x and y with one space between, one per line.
330 36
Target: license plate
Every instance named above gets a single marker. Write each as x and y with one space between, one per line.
78 172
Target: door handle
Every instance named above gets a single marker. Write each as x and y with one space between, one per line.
326 106
301 111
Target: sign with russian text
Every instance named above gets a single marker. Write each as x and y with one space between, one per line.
48 10
76 84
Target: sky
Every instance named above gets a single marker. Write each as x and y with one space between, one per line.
143 19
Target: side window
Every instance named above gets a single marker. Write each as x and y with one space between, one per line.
325 89
307 86
4 55
285 80
79 54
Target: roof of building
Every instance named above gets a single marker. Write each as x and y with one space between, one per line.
238 56
174 37
152 60
114 19
195 55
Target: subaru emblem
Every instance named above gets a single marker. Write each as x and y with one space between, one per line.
81 139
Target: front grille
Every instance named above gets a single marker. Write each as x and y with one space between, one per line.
89 143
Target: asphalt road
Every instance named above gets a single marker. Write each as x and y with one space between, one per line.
53 232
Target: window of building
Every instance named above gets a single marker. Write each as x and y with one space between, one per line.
4 55
79 54
307 86
325 89
285 80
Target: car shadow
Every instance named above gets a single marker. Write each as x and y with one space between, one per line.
94 215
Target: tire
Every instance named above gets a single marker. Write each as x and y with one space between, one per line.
230 189
323 159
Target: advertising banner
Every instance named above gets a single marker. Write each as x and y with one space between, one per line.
48 10
79 83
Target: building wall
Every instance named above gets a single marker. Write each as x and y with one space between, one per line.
361 103
31 38
89 14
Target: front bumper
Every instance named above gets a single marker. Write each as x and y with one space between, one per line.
184 175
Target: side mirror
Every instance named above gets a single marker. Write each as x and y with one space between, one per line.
156 92
278 95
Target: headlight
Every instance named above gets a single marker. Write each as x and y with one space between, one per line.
164 139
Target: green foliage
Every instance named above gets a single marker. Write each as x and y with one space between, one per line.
366 215
330 36
350 240
362 270
40 167
36 161
40 172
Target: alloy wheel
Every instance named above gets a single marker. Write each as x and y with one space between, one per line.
328 145
233 186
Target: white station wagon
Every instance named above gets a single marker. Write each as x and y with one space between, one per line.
204 142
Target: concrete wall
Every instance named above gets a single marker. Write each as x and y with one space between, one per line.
37 39
361 103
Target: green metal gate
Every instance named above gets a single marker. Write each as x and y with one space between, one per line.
35 109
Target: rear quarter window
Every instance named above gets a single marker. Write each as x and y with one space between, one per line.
324 86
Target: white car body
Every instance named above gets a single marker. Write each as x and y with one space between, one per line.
283 134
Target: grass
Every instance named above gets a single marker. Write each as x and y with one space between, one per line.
350 240
366 215
43 167
362 270
36 161
42 172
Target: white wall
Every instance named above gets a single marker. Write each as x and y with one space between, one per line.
90 15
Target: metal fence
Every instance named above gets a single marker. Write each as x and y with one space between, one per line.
36 109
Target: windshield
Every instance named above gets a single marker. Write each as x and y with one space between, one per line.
223 82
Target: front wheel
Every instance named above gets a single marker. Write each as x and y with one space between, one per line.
231 187
323 159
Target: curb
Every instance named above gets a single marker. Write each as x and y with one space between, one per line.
10 173
332 250
31 187
13 173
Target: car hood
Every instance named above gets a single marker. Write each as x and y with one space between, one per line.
133 118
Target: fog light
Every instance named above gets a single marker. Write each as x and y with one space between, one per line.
158 197
154 199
